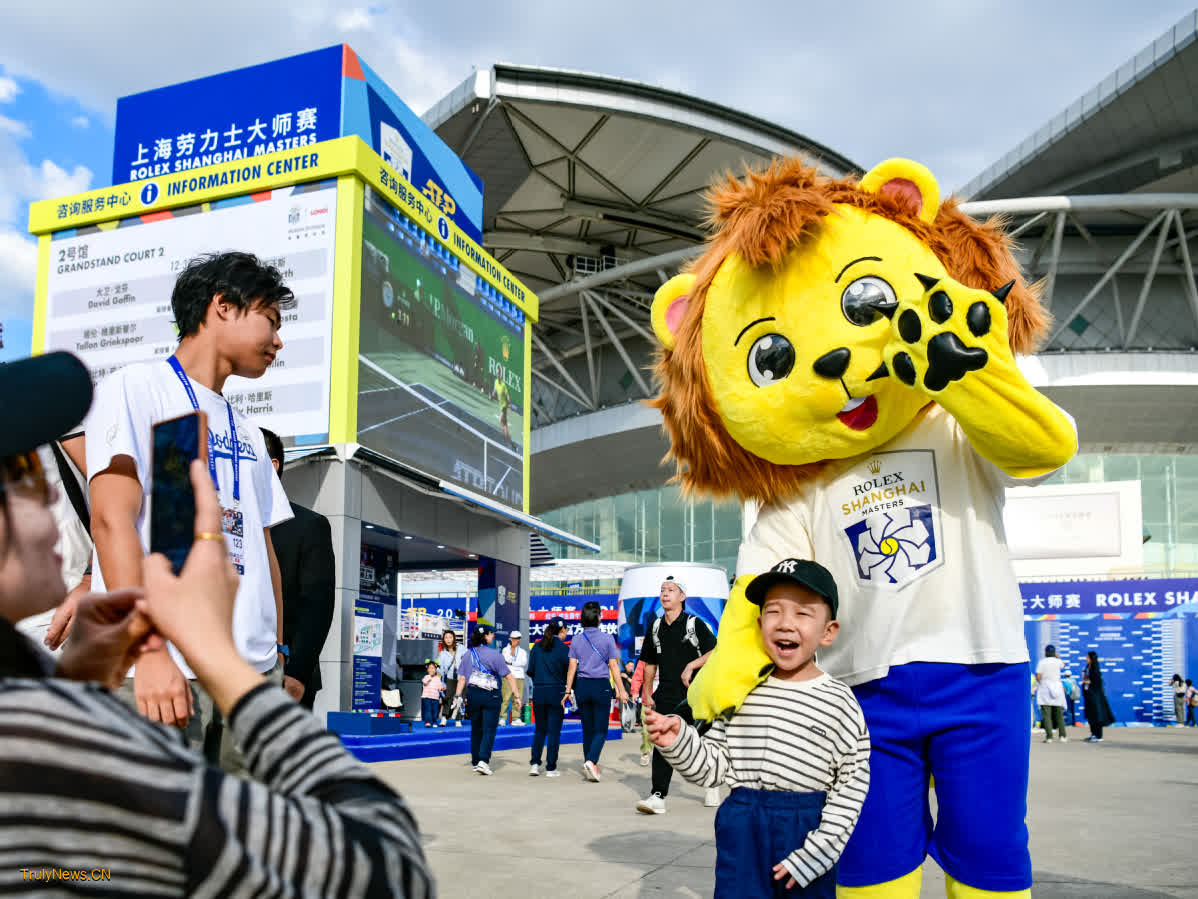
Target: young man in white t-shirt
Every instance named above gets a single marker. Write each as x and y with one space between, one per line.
227 309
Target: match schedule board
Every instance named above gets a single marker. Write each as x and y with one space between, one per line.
109 290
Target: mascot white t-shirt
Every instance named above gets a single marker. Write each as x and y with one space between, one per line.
920 554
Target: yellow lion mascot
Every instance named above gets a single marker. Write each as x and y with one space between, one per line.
843 354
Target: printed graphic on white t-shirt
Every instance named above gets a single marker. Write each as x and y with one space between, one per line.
889 511
913 535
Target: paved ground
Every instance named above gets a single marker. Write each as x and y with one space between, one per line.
1109 821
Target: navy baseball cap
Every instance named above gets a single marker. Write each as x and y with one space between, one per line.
42 398
812 575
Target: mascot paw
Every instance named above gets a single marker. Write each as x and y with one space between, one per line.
738 663
950 331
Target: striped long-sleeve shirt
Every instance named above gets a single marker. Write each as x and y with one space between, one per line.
89 788
800 737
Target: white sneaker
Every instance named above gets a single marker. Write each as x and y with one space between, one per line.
442 720
1062 739
458 723
644 761
503 724
591 772
483 768
553 773
652 805
711 799
534 770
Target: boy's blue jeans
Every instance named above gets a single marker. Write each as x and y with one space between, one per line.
756 829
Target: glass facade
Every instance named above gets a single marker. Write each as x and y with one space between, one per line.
660 525
654 526
1169 498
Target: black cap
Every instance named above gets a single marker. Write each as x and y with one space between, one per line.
804 572
41 399
559 623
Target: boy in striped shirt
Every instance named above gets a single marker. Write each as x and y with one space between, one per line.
796 753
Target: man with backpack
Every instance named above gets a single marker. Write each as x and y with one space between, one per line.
675 647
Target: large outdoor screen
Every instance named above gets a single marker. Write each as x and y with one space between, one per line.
441 360
109 294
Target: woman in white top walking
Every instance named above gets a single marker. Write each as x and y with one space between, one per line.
1050 694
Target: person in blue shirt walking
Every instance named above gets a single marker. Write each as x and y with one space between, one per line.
594 662
548 661
478 678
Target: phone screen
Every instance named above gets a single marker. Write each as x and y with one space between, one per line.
176 442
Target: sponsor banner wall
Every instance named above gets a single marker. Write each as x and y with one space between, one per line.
1099 597
1137 656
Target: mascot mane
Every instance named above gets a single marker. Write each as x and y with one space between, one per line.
762 217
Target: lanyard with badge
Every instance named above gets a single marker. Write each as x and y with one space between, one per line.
191 395
231 521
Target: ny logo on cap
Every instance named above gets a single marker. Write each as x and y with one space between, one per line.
787 567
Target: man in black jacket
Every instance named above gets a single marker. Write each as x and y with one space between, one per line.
304 547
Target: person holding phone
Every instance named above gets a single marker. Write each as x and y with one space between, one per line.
227 308
78 768
594 668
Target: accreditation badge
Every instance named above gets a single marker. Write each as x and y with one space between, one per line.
233 526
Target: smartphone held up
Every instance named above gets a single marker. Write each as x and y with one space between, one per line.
176 443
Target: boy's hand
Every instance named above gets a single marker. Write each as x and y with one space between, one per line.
663 729
780 872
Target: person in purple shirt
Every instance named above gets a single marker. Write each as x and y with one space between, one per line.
594 666
478 676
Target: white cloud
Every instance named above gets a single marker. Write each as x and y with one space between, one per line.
22 182
8 89
80 121
18 264
52 181
353 20
13 127
932 80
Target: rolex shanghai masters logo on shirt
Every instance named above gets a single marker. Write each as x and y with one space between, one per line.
889 509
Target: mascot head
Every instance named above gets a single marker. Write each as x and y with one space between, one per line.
772 363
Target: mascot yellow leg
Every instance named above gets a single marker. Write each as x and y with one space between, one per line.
905 887
737 663
958 890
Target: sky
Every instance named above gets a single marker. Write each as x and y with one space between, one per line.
954 84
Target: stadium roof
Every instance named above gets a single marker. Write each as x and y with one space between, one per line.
584 172
1135 131
594 196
